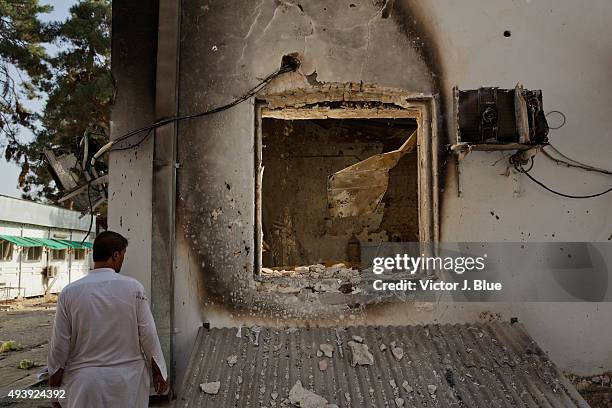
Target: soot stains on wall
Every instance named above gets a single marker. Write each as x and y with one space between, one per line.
225 48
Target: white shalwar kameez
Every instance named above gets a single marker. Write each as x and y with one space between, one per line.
104 338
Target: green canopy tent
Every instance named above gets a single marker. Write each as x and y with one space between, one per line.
21 241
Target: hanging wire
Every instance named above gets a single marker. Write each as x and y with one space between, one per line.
518 166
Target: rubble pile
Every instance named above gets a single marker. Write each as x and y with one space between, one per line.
318 278
317 271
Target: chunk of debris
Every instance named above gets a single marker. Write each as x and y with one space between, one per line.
26 364
383 347
432 389
360 354
319 353
358 339
274 395
398 353
327 349
303 398
211 387
399 402
10 345
392 384
302 269
407 387
232 360
323 364
358 189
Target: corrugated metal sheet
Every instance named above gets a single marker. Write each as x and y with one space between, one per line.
472 365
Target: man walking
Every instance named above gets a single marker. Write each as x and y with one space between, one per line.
104 336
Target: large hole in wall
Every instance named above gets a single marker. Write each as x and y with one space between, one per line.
300 233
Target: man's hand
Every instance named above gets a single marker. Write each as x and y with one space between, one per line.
55 381
158 380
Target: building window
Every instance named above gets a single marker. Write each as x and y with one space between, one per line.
6 250
80 254
33 253
58 254
338 179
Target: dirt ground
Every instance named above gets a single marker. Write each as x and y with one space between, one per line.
28 323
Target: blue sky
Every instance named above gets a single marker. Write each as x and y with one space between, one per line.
9 171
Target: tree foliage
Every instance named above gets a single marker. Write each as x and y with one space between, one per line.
76 81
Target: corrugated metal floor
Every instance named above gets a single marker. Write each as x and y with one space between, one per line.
475 365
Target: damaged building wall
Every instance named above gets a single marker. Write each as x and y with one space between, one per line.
419 47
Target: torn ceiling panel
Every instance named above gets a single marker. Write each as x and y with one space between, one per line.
465 365
358 189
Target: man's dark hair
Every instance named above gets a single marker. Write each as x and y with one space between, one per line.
106 244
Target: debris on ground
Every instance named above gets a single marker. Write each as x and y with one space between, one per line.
398 353
232 360
323 364
327 349
10 345
432 389
211 387
407 387
26 364
383 347
303 398
358 339
360 354
399 402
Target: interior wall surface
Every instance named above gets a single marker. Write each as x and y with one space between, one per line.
420 47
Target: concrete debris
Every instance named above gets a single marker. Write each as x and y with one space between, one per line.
211 387
323 364
398 353
399 402
360 354
232 360
383 347
274 395
319 353
347 397
407 387
327 349
303 398
239 379
358 339
392 384
432 389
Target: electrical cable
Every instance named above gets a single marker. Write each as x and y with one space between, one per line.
569 162
252 92
142 139
519 167
149 129
562 123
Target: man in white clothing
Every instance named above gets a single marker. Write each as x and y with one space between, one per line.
104 338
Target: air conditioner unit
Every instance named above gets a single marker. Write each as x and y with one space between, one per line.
51 271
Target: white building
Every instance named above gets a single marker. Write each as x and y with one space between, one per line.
40 248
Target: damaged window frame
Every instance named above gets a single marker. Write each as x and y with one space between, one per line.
422 109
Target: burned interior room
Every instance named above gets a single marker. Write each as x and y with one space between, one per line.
308 163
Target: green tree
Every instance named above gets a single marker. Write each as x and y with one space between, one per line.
23 69
79 91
